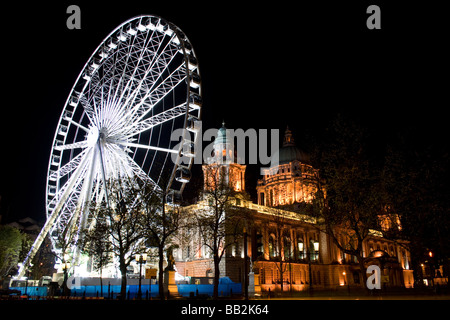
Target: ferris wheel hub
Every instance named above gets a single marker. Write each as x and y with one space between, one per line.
92 136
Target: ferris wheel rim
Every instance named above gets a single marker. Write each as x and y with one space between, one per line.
83 144
95 141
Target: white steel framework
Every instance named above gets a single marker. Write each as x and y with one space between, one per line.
140 84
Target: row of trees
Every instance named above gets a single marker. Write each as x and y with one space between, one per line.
136 220
404 182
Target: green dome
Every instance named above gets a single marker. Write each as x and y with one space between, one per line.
289 151
222 136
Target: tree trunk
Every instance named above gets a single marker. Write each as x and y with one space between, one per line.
281 275
123 288
161 272
363 270
101 282
216 277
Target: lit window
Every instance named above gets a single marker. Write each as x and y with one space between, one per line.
287 248
314 250
301 248
272 246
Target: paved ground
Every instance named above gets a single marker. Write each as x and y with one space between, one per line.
362 297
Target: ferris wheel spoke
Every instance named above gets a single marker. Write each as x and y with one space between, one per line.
160 118
71 146
141 174
68 167
144 64
88 108
72 181
156 94
119 63
147 147
152 76
77 124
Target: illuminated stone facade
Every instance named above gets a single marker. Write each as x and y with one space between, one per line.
285 246
292 182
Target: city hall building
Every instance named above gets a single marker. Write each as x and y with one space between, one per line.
286 249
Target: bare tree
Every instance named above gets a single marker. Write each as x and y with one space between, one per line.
283 255
348 200
220 222
124 220
160 223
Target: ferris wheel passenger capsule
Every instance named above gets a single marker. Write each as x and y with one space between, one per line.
193 124
192 62
183 174
95 63
162 26
195 101
87 76
112 44
152 23
194 80
121 36
131 30
188 149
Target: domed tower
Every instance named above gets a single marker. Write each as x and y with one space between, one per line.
291 181
223 166
289 151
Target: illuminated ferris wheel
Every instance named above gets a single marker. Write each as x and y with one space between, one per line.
141 84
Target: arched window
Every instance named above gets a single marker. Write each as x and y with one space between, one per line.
270 198
272 246
287 248
300 248
259 244
391 251
261 199
314 250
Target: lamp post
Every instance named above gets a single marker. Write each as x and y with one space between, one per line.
245 266
141 259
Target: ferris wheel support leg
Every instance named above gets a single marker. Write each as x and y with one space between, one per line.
83 205
50 221
102 168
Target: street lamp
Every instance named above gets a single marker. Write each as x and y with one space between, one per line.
245 266
141 259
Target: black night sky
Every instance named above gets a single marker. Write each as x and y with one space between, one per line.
265 64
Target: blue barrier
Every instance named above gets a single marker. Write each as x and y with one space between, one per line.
208 289
132 290
32 291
